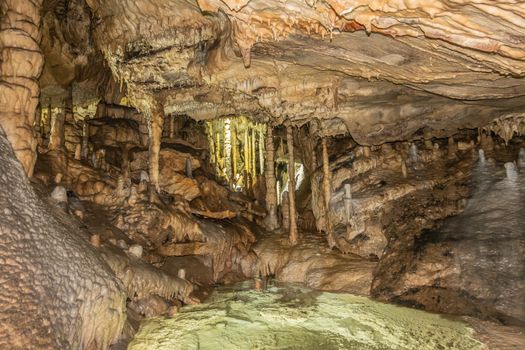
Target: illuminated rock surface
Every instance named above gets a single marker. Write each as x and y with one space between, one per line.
293 317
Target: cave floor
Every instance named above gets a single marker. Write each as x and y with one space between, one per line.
291 316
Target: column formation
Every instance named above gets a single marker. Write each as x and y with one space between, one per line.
271 183
294 235
20 68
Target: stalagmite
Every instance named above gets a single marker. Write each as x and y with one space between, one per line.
366 151
78 151
85 140
482 159
156 121
452 148
511 170
271 185
404 168
521 158
414 157
487 144
428 140
95 240
20 68
294 236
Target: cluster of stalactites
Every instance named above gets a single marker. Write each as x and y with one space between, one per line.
507 127
237 147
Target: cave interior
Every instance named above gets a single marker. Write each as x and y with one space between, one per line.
154 153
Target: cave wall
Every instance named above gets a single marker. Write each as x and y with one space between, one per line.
57 293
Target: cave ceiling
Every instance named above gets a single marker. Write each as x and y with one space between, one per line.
379 70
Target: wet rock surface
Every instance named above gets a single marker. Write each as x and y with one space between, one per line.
295 317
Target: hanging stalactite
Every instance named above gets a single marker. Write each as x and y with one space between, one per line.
233 149
254 155
227 150
156 122
246 159
235 155
261 149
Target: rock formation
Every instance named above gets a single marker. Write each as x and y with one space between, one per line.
151 149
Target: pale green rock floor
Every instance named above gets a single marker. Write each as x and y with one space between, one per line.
293 317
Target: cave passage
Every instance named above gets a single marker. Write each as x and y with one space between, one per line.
292 174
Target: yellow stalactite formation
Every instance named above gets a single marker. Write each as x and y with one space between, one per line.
246 157
234 151
254 155
234 143
261 149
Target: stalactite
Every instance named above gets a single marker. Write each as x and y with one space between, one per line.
271 185
125 163
227 149
211 142
253 155
247 162
234 152
261 150
217 151
294 236
46 132
156 121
